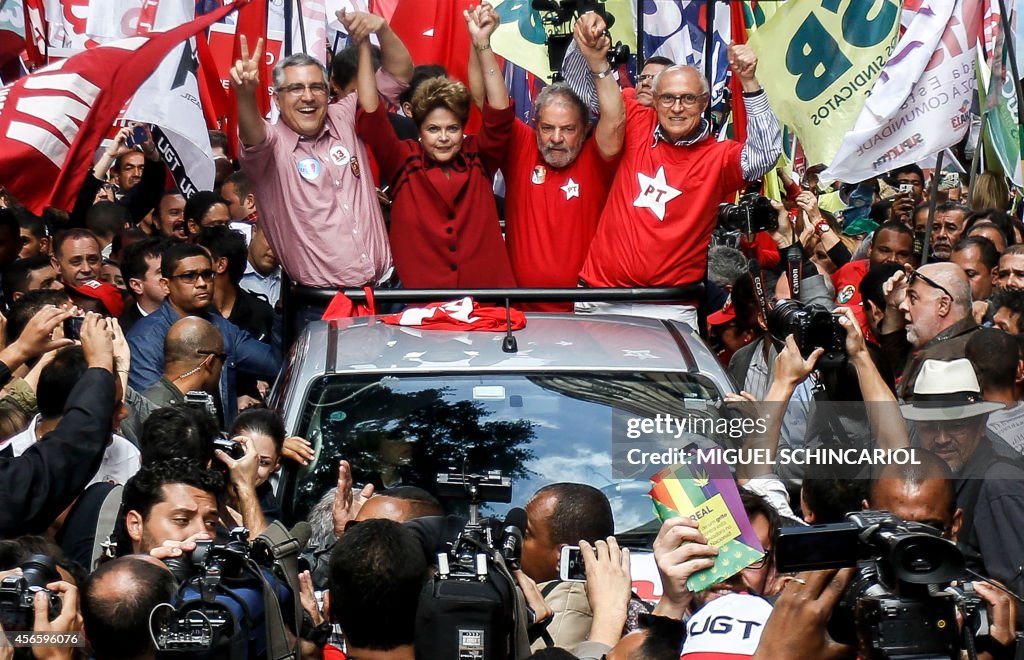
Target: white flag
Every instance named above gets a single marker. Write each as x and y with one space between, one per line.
921 101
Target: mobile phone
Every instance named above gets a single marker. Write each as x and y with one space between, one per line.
137 137
949 181
73 327
570 565
906 188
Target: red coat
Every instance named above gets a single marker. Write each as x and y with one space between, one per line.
444 229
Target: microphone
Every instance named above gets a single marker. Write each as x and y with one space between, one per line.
512 536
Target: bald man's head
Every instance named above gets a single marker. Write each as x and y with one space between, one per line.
116 602
923 493
190 340
955 280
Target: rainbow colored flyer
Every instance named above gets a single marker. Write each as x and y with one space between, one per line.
708 494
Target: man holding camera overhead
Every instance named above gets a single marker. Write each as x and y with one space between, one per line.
657 223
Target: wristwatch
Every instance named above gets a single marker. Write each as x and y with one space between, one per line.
822 227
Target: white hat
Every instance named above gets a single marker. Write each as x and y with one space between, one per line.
947 390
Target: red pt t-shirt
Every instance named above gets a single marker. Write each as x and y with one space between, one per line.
657 222
551 214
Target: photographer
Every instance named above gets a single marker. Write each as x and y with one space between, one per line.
54 608
797 629
36 486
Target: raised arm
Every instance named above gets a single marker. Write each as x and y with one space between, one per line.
245 80
394 56
591 36
764 136
366 79
482 21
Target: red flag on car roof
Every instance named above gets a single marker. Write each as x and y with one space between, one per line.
461 314
51 122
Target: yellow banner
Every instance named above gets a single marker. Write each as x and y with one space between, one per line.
818 59
520 38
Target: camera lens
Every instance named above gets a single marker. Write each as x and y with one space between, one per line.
39 571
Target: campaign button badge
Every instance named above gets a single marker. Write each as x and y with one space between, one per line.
309 168
339 155
539 174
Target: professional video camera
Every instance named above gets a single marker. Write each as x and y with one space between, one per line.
813 326
751 214
233 601
17 594
900 604
472 607
560 15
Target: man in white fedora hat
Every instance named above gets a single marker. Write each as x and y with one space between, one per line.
950 418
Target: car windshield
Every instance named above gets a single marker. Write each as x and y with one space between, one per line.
535 428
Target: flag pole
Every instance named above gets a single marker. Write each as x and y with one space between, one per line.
709 47
302 27
976 159
289 10
639 36
933 194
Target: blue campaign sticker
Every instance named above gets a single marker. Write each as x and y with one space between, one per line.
309 168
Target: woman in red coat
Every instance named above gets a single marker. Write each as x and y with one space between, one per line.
444 222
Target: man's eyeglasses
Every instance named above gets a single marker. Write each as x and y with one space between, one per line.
297 89
688 100
916 275
191 276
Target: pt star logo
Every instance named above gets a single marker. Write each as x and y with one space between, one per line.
571 189
655 193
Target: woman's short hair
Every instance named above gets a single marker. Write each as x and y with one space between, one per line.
437 93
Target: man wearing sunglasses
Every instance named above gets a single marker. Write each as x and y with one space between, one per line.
927 317
656 225
187 275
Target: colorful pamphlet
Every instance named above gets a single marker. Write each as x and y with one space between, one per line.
708 494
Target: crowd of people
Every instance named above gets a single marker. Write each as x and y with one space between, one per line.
142 331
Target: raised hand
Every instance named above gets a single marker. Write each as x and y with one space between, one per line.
590 35
742 61
360 24
245 74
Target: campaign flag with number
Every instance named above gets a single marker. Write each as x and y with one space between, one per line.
921 102
52 121
818 61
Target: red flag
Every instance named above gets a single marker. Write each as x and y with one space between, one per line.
35 32
52 121
435 32
252 22
739 111
212 95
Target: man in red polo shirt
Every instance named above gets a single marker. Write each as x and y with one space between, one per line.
657 222
556 178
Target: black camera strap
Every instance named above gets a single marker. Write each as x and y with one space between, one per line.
794 269
754 272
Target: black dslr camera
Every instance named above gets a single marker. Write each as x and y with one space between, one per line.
17 594
900 604
812 326
751 214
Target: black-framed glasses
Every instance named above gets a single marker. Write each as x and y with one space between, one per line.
688 100
763 561
219 355
192 276
916 275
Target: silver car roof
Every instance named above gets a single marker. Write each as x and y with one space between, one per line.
549 342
